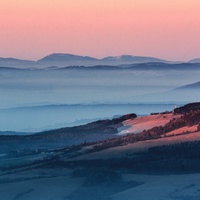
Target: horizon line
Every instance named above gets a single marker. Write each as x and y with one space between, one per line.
95 57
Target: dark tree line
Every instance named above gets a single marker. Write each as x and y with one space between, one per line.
188 119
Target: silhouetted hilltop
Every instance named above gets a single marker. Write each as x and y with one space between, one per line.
16 63
128 59
196 60
101 126
68 136
66 60
62 60
188 108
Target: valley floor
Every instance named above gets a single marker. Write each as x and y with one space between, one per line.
58 184
162 187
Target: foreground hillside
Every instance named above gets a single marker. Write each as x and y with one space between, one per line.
153 157
64 137
127 132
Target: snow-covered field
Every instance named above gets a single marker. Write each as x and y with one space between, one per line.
162 187
57 184
38 185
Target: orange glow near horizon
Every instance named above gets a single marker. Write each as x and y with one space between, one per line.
166 29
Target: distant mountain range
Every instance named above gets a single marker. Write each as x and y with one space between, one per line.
196 60
61 60
16 63
65 60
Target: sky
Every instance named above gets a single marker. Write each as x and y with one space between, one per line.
167 29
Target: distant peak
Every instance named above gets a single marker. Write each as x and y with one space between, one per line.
196 60
69 60
65 57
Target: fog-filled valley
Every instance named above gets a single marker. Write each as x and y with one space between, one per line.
104 132
99 100
41 99
68 86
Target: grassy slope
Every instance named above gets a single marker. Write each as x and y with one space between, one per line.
111 173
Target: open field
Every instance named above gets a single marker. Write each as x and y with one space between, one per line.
146 122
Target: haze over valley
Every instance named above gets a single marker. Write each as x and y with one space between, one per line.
99 100
35 99
118 130
117 126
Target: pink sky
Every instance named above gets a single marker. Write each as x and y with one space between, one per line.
168 29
